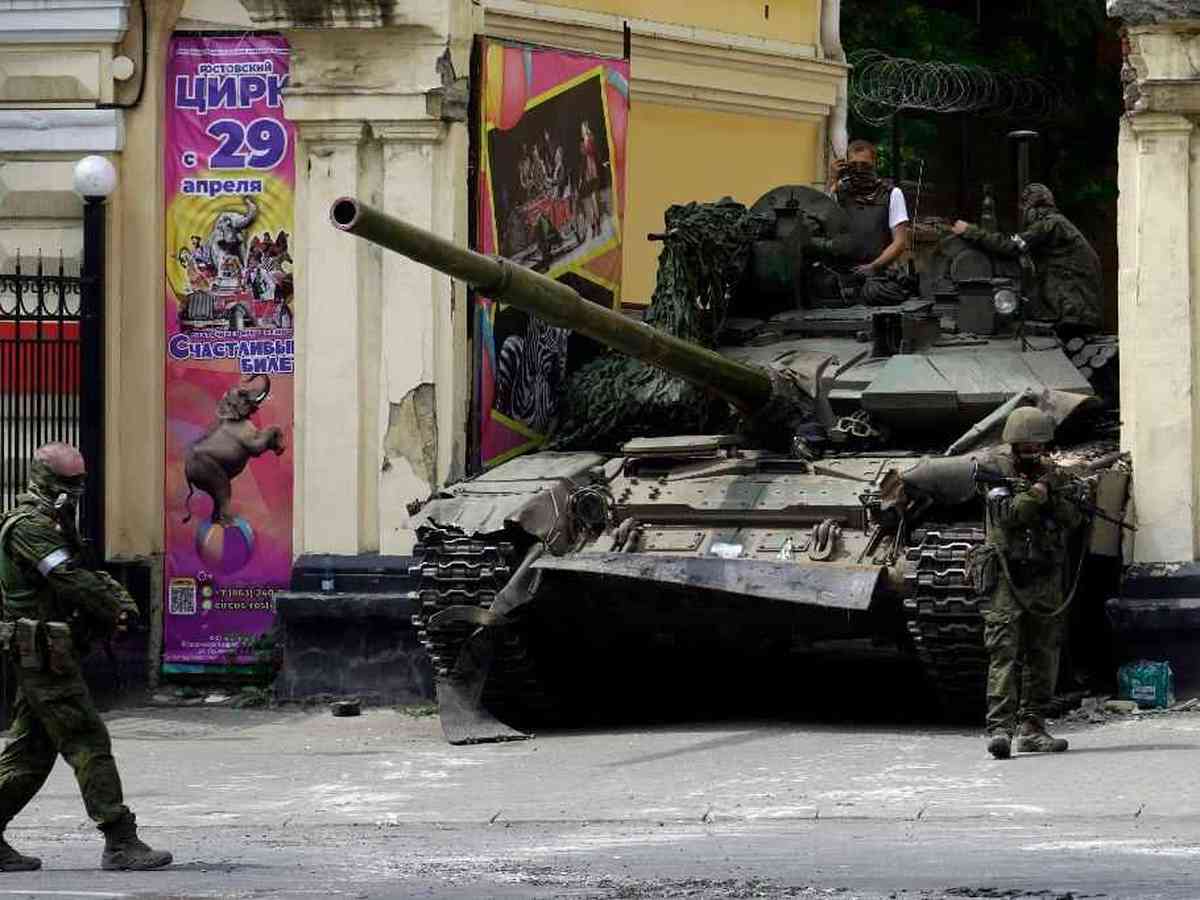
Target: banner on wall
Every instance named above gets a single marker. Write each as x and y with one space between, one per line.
229 184
551 196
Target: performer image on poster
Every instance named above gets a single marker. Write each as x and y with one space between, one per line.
552 181
232 283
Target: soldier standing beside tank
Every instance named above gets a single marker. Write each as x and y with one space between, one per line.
1029 526
52 606
1068 269
879 224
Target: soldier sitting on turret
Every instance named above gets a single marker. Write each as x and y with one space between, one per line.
1068 269
879 225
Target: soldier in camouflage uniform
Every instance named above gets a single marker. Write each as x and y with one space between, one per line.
1029 524
1068 269
52 606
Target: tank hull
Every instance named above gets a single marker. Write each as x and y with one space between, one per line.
728 552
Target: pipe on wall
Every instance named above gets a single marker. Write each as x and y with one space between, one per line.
831 44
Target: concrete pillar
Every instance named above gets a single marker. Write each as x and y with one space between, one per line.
134 436
331 343
1159 228
1159 329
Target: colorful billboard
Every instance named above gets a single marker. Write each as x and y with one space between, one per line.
230 360
550 195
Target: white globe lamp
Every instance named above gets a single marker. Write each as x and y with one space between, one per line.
95 176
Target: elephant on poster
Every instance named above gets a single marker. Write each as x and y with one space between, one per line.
212 462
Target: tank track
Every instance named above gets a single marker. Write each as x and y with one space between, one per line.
455 570
945 617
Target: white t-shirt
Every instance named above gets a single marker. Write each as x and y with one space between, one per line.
897 209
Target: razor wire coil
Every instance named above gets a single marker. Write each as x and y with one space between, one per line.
882 85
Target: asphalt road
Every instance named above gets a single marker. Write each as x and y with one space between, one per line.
268 804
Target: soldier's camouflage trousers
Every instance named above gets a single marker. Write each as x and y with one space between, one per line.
1023 648
54 714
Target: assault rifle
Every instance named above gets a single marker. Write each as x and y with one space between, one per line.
1013 483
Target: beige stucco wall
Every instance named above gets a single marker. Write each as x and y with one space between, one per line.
680 154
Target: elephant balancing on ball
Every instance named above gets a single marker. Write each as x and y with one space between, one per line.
216 459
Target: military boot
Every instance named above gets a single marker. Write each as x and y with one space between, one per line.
12 861
1035 739
999 745
123 849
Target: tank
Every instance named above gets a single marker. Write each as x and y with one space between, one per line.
839 504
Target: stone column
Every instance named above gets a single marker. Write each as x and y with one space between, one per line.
1158 310
1159 226
333 338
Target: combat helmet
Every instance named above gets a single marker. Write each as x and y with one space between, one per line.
56 470
1028 425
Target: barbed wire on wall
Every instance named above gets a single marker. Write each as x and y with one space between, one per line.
882 85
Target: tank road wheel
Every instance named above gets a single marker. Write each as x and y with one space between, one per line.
945 618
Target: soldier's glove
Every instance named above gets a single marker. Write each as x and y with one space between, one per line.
127 608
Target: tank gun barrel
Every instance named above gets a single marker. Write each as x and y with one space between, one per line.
747 387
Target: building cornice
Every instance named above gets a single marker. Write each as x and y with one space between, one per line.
63 21
288 14
62 131
1153 12
683 66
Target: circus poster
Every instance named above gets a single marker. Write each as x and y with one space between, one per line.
550 195
230 353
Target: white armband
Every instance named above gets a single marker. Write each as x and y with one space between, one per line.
52 561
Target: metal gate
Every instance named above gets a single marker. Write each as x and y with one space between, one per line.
40 330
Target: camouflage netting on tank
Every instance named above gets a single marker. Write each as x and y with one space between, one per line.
616 398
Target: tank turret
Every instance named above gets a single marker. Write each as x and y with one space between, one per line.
775 403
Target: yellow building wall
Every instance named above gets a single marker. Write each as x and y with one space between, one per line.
679 154
797 21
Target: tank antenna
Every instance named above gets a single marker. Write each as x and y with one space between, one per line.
912 228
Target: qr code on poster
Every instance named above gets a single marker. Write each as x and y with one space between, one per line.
182 597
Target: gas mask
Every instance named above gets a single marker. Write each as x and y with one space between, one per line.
59 494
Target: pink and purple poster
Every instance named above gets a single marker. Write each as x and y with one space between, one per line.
229 183
551 196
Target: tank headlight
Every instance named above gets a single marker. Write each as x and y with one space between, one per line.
1006 302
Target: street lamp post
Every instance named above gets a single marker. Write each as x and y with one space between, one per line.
95 180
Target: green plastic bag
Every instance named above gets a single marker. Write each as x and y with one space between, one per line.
1149 684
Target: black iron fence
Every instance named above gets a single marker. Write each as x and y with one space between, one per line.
40 333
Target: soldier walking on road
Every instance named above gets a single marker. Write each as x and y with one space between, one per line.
52 607
1029 526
